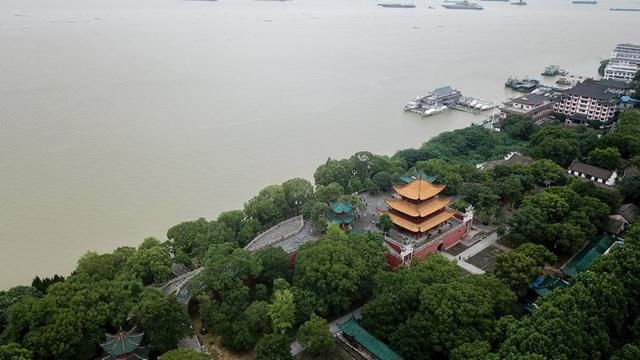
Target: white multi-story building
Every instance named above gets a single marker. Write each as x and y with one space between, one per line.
627 53
624 63
587 101
618 70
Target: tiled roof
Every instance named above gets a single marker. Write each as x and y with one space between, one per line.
419 189
424 225
590 170
629 211
591 90
376 347
418 210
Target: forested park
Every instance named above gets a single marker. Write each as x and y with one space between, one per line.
254 304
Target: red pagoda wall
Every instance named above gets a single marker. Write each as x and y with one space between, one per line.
447 241
395 246
393 261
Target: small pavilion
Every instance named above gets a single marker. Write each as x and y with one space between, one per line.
125 345
341 213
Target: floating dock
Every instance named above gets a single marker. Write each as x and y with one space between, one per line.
445 98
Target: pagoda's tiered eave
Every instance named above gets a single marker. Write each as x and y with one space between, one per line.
423 225
420 210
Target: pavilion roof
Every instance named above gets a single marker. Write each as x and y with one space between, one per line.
423 209
376 347
419 189
341 207
424 225
122 343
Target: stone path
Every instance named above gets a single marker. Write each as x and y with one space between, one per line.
489 240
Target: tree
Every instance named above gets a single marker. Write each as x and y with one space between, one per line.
627 352
519 127
630 187
275 264
603 65
257 315
307 303
383 180
43 284
329 193
184 354
297 192
318 216
397 295
385 223
477 350
608 158
225 268
520 266
269 206
104 266
282 311
274 347
449 316
163 319
194 237
151 265
12 296
315 337
333 270
13 351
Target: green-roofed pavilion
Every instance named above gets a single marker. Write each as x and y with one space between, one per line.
583 259
125 345
341 213
367 341
543 286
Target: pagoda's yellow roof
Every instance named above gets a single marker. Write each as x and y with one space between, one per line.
419 189
423 226
423 209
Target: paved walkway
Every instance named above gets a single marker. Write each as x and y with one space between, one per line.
473 250
296 347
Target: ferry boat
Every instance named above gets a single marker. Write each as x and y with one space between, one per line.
624 9
521 2
462 5
522 85
584 2
401 6
564 81
554 70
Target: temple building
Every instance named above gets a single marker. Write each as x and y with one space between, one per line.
424 223
125 345
341 213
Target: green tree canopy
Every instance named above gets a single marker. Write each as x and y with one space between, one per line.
315 337
520 266
274 347
184 354
163 319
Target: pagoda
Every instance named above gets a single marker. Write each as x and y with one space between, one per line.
125 345
341 213
423 221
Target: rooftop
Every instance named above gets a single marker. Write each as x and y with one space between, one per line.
423 209
341 207
583 259
591 90
123 345
531 99
629 212
610 83
376 347
590 170
424 225
419 189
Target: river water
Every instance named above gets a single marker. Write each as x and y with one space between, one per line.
120 118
